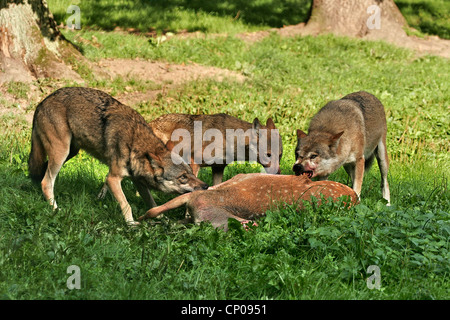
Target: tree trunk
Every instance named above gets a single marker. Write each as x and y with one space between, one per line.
31 46
372 19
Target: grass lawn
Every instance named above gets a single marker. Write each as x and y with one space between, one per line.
214 16
320 253
429 17
190 15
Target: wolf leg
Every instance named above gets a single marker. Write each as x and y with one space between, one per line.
357 175
383 164
57 155
217 172
145 193
114 184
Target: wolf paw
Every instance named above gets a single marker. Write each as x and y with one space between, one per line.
102 193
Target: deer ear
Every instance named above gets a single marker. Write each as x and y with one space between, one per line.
270 124
300 134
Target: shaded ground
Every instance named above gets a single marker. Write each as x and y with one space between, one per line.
166 75
163 75
430 45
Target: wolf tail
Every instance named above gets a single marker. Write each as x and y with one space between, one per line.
172 204
36 162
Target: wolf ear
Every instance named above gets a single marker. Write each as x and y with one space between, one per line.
170 145
154 159
256 124
334 141
337 136
155 164
300 134
270 124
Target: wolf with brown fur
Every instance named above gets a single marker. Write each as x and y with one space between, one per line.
236 136
71 119
349 132
248 196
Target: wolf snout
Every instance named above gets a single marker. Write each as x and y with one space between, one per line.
202 186
298 169
205 186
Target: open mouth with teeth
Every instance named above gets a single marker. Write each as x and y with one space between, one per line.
308 173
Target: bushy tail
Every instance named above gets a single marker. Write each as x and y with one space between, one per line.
36 162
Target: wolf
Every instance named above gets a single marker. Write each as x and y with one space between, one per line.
248 196
75 118
250 142
349 132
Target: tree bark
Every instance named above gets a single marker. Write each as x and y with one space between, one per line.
373 19
31 46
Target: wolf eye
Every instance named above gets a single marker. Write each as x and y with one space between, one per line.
183 178
313 156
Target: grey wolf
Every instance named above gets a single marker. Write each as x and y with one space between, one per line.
234 139
349 132
247 196
71 119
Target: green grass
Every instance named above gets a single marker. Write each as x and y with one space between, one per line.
429 17
182 15
322 253
319 253
290 79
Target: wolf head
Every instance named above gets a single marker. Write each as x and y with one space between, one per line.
316 154
270 148
162 173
